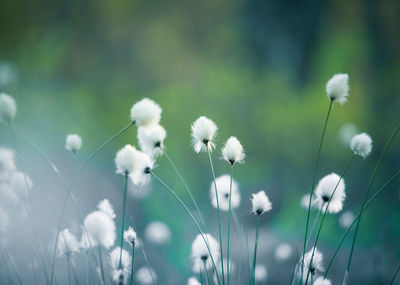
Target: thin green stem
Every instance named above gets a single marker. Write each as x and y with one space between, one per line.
394 275
393 178
294 268
201 277
313 181
101 265
313 226
206 271
123 219
389 142
229 225
219 214
133 259
255 253
193 219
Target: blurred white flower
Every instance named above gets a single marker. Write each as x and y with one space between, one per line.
337 88
151 139
7 164
305 200
4 221
193 281
232 151
145 112
73 143
260 273
203 133
67 243
361 145
283 251
106 207
324 191
100 229
144 275
158 233
260 203
8 107
315 267
130 236
346 133
322 281
120 274
143 167
346 219
200 254
223 188
125 160
20 183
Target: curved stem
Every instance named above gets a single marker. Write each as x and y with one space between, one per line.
313 181
219 218
394 275
123 220
253 271
229 224
193 219
313 226
133 259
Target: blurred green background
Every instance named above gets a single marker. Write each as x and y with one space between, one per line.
257 68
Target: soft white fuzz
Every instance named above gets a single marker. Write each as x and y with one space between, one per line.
120 275
158 233
305 200
146 112
144 275
322 281
260 203
142 170
316 266
223 187
151 139
7 164
324 191
203 134
346 219
361 145
130 236
283 252
125 160
67 243
73 143
346 133
233 151
200 254
337 88
260 273
8 107
106 207
21 183
193 281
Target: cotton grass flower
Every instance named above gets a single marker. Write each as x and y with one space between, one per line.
325 189
232 151
106 207
142 170
315 266
67 243
361 145
73 143
337 88
223 186
203 134
346 219
158 233
260 273
260 203
8 107
283 252
146 112
322 281
7 164
193 281
144 275
125 160
121 274
130 236
200 255
151 139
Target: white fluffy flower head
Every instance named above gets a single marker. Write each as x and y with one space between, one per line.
260 203
125 160
120 274
260 273
158 233
8 107
361 145
100 229
73 143
337 88
200 254
142 170
130 236
233 151
67 243
151 139
223 188
145 112
322 281
106 207
203 134
325 188
316 266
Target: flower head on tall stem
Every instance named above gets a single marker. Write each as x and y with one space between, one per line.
142 170
361 145
223 186
130 236
325 188
203 134
151 140
260 203
120 274
73 143
146 112
200 254
67 244
125 160
8 107
314 264
337 88
233 151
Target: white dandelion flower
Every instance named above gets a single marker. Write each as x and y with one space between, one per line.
203 134
305 200
346 133
144 275
260 273
73 143
100 229
200 255
143 167
145 112
158 233
130 236
67 243
151 139
106 207
7 164
316 266
125 160
322 281
120 274
260 203
283 252
325 189
346 219
233 151
361 145
337 88
193 281
8 107
223 188
4 221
